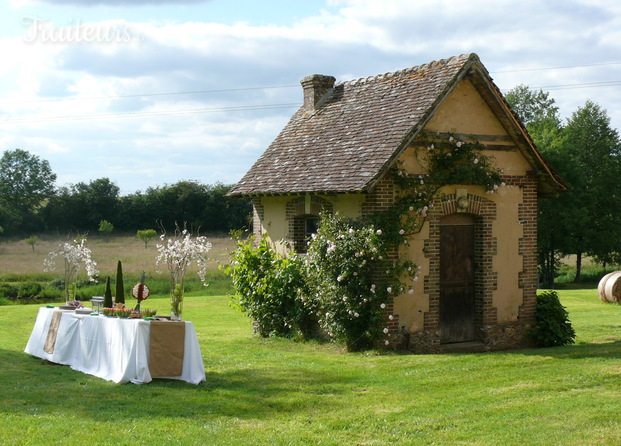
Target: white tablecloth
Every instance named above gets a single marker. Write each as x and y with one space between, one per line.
110 348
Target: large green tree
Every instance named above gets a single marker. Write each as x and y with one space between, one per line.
81 207
187 202
595 147
99 200
533 107
587 218
538 112
25 182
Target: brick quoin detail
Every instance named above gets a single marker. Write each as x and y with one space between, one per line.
493 334
380 199
257 218
528 278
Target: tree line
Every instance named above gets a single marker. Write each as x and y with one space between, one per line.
585 151
30 202
585 220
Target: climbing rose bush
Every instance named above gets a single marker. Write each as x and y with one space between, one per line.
342 263
460 162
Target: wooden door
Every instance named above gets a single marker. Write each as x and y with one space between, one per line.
457 305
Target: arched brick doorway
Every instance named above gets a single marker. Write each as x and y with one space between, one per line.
457 279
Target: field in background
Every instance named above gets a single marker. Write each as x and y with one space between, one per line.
591 272
19 263
16 257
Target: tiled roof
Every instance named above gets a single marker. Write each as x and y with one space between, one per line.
348 143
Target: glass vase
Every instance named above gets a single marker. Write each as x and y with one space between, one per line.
70 290
176 300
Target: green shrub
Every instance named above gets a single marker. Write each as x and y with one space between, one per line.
107 303
51 294
32 277
13 277
29 290
146 235
4 302
8 291
268 288
553 326
343 260
120 286
58 283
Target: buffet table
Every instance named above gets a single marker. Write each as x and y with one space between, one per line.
116 349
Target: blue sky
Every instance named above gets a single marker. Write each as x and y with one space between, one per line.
149 93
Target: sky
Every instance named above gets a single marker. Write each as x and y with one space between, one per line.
152 92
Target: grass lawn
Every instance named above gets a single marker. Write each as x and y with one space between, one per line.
279 392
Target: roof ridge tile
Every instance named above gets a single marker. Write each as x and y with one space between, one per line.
447 62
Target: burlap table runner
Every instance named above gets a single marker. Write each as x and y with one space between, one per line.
167 341
50 341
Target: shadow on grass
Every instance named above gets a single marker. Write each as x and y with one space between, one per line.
35 386
575 351
576 286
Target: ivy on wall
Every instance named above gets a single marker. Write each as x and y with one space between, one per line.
444 162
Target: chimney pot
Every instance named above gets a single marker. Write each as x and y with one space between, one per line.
315 88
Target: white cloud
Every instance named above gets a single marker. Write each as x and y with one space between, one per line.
357 39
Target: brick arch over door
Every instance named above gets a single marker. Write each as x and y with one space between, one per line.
483 213
298 211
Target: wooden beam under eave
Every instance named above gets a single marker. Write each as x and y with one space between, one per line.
478 138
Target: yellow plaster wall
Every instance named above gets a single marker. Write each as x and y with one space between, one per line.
411 308
507 262
464 111
511 162
350 205
275 222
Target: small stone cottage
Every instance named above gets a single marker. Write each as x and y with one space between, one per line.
477 251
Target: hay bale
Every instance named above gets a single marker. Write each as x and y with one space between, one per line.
601 285
611 287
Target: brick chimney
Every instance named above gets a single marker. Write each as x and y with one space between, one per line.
315 88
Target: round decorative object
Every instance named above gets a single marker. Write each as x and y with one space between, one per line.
463 203
140 292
